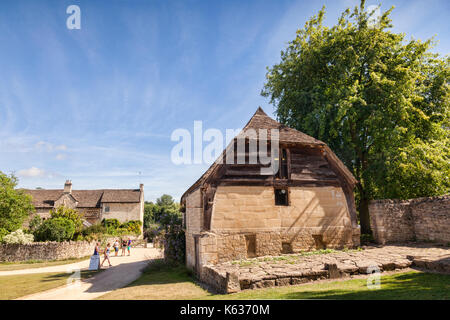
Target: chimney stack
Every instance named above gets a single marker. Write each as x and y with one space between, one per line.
141 187
68 186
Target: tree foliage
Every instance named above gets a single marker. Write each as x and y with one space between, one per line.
15 205
71 214
154 212
55 229
379 101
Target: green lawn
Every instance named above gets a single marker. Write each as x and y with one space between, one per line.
20 265
12 287
160 281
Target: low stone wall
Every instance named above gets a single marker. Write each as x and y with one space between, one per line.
46 250
293 269
422 219
50 250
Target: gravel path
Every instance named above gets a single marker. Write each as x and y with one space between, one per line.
124 270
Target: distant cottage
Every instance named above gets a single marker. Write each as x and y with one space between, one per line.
233 211
121 204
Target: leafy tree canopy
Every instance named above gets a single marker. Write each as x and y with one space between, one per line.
381 102
69 213
155 212
15 205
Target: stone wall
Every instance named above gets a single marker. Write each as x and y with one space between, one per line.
422 219
122 211
46 250
194 217
317 218
53 250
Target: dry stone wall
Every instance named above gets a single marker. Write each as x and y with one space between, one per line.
52 250
46 250
422 219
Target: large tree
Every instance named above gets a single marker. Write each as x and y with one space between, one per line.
379 101
15 205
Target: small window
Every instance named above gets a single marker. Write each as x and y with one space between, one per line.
107 209
281 197
284 165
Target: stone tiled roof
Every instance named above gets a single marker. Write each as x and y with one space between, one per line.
260 120
86 198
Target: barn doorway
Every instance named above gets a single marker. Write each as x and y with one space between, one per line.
250 244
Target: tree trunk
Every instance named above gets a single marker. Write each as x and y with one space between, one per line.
364 218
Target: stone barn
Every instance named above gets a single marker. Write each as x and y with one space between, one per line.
95 205
234 212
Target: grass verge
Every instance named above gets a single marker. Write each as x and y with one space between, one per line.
13 287
20 265
161 281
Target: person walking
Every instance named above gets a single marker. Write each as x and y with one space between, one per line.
96 256
124 246
106 253
129 246
116 247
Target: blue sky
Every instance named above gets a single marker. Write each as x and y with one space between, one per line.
98 105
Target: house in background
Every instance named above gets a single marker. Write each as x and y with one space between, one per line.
234 212
95 205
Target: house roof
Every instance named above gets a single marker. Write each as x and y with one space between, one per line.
86 198
260 120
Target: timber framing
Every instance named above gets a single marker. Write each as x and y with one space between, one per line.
310 163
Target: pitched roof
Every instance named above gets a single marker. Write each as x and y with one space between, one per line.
86 198
260 120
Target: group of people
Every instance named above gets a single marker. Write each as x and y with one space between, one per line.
125 244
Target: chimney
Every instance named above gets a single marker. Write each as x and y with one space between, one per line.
141 187
68 186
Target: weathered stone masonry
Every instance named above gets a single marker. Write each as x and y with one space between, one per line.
422 219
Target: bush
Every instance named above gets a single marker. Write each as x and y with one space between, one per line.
94 229
174 244
111 223
18 237
71 214
367 239
151 232
35 223
133 226
55 229
3 232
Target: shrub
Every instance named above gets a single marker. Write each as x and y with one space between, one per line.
367 238
55 229
94 229
35 223
174 244
151 232
18 237
71 214
3 232
174 240
133 226
111 223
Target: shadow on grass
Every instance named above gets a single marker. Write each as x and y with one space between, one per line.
84 274
412 285
160 272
